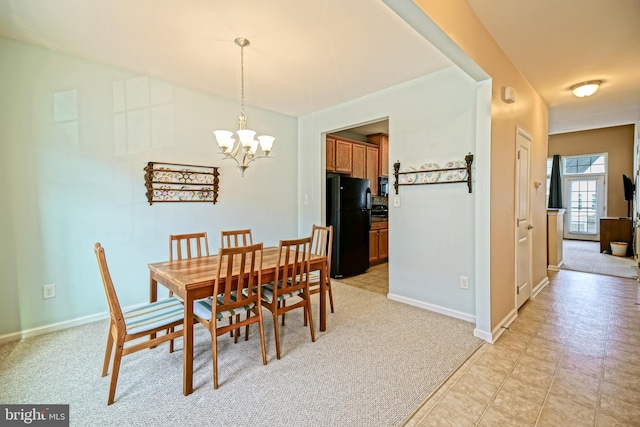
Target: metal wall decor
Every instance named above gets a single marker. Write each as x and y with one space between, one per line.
430 174
174 182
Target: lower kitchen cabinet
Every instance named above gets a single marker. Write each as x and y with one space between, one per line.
378 242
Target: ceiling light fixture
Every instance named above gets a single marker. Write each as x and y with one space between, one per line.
586 88
247 146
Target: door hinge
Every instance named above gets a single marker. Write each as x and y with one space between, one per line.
517 222
518 154
517 290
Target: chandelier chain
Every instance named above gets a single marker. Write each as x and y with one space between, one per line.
242 80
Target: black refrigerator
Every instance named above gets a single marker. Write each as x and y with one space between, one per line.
349 212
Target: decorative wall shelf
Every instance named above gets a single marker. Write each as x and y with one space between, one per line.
455 172
173 182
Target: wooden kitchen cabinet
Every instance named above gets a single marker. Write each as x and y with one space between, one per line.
372 169
331 155
344 155
382 141
378 242
355 158
359 161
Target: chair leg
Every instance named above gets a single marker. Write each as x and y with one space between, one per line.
246 328
230 323
284 304
276 332
313 337
117 357
214 354
305 315
261 328
237 331
107 352
330 297
170 331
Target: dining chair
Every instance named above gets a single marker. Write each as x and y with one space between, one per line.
139 322
235 238
233 298
187 246
321 244
291 281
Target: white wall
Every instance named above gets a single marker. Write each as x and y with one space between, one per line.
432 234
71 161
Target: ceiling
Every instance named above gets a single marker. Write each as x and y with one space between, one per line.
557 44
308 56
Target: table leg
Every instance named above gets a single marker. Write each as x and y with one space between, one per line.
187 354
153 289
153 296
323 299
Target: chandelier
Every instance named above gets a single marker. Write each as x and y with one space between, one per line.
244 150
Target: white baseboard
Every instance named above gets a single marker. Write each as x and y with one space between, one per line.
555 267
540 286
484 335
432 307
499 329
16 336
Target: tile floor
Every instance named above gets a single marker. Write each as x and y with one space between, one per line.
376 279
571 358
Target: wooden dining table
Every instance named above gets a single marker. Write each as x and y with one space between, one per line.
192 279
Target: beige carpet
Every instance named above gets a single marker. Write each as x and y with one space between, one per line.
375 364
585 256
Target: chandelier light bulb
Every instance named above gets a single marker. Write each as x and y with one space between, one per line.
266 142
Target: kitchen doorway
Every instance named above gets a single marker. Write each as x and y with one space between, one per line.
362 152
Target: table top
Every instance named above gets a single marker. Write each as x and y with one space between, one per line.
199 272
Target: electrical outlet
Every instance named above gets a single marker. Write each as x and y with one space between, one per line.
49 291
396 202
464 282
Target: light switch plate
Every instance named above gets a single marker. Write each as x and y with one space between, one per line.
396 202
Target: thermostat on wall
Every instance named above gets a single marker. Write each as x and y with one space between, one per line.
509 95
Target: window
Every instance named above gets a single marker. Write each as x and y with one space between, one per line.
584 164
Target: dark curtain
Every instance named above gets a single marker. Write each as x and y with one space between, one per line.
555 186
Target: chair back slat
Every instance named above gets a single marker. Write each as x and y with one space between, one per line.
235 238
187 246
245 262
112 298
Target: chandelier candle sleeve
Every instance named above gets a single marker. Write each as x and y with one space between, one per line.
247 145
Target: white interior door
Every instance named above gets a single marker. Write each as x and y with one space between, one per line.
523 218
584 201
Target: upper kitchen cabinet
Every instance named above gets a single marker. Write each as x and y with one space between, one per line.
359 169
339 156
382 141
354 158
372 169
365 165
331 155
344 156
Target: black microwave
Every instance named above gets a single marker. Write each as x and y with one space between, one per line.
383 186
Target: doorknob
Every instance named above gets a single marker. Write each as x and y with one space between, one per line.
530 227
